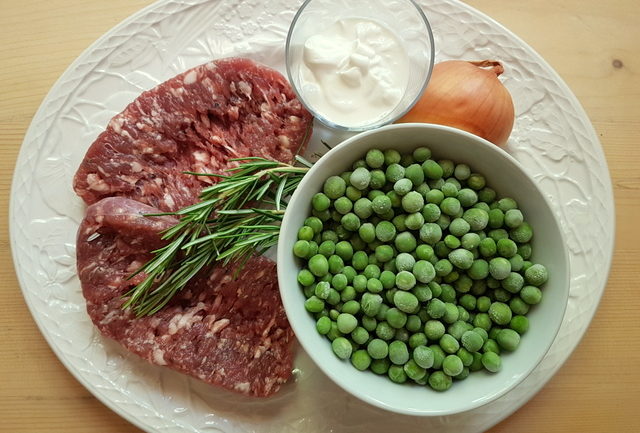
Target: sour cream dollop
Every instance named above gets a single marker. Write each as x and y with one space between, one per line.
354 73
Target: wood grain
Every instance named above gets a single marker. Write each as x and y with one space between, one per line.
593 45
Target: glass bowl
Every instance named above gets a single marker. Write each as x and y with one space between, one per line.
407 25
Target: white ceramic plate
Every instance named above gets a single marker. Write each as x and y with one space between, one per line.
553 139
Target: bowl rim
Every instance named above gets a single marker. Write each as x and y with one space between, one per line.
370 126
306 345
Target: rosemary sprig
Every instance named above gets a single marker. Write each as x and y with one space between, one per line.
233 220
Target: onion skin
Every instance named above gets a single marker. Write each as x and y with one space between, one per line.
464 95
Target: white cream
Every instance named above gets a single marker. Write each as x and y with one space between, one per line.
355 72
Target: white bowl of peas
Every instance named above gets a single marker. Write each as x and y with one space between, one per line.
422 269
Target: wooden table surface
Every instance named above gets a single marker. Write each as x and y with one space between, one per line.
593 45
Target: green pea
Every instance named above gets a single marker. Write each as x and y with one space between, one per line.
320 202
381 204
334 187
432 170
341 347
472 341
520 324
506 248
500 313
384 231
405 262
522 234
343 205
424 252
351 222
435 197
385 331
439 381
352 193
424 271
451 313
405 242
398 352
347 294
402 186
360 178
536 275
531 295
461 258
450 206
414 221
524 250
369 323
487 247
430 233
491 361
476 181
417 339
375 158
405 301
499 268
451 242
482 320
314 304
394 172
513 283
452 365
396 374
327 248
477 218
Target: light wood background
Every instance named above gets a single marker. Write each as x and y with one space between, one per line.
593 44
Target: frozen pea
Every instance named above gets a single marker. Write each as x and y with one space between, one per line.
476 181
399 222
478 270
318 265
369 323
323 325
448 167
491 345
423 356
405 262
405 301
342 347
352 193
417 339
450 206
449 189
385 331
362 208
367 232
452 365
518 306
461 258
520 324
459 227
499 268
501 295
458 328
472 341
396 318
327 248
405 242
531 295
424 252
320 202
487 247
513 218
522 234
374 158
491 361
414 324
431 169
396 374
443 267
374 285
415 173
398 352
487 195
305 233
370 304
430 233
336 264
424 271
344 250
305 277
343 205
381 204
322 290
431 212
385 231
361 359
378 179
506 248
516 262
334 187
347 294
451 242
525 251
421 154
351 307
414 221
394 172
403 186
449 344
496 218
536 275
451 313
439 381
500 313
351 222
387 279
384 253
513 283
508 339
477 218
405 280
360 178
380 366
482 320
412 202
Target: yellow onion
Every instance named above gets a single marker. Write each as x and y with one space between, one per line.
469 96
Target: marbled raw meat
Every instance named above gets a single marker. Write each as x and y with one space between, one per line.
227 332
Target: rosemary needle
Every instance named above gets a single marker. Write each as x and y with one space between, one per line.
234 219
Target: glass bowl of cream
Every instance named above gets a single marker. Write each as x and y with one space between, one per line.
359 64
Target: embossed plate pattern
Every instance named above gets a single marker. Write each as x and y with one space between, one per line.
552 138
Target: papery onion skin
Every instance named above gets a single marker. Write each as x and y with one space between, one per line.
465 95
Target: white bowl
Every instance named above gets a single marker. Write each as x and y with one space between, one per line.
506 176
